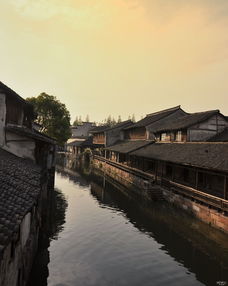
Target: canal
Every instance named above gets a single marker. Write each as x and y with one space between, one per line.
101 235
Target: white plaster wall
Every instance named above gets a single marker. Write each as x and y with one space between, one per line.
113 136
205 130
25 229
20 146
82 130
9 267
2 118
200 135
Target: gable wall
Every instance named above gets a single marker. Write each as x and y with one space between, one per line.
150 129
207 129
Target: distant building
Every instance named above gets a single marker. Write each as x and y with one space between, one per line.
107 136
17 134
144 128
82 130
195 127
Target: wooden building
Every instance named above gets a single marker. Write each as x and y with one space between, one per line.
17 134
77 147
27 168
107 136
220 137
144 128
195 127
192 166
121 152
198 170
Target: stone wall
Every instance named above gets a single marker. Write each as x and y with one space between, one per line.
144 185
204 213
18 256
136 181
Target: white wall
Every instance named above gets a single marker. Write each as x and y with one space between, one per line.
25 229
20 146
206 129
81 130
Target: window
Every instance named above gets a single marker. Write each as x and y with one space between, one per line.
178 136
163 136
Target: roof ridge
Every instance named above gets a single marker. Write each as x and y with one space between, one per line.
164 110
207 111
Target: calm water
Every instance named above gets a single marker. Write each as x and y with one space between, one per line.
102 236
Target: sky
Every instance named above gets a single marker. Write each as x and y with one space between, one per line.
117 57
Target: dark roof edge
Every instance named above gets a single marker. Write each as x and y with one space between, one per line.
30 133
119 125
110 128
210 113
151 114
8 90
165 110
121 142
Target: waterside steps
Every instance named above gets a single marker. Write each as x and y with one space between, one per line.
155 193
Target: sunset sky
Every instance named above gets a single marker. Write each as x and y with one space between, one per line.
117 57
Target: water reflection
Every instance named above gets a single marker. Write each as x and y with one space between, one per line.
52 226
149 244
187 240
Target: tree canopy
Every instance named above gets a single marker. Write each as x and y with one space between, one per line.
53 116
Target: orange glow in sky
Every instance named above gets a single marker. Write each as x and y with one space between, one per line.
117 57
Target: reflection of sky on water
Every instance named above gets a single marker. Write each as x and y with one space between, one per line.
110 239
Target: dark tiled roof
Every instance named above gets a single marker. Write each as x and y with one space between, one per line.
21 130
89 143
184 121
220 137
19 189
5 89
107 128
129 146
153 117
98 129
203 155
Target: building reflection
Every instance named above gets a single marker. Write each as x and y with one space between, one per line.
192 243
54 224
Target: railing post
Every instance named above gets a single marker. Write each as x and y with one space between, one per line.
197 178
225 187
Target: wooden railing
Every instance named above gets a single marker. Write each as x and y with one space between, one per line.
189 192
126 168
195 194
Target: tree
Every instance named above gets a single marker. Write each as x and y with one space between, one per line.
75 123
109 120
133 118
119 119
87 118
53 116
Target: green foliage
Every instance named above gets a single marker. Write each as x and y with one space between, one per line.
53 116
110 121
132 118
76 121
